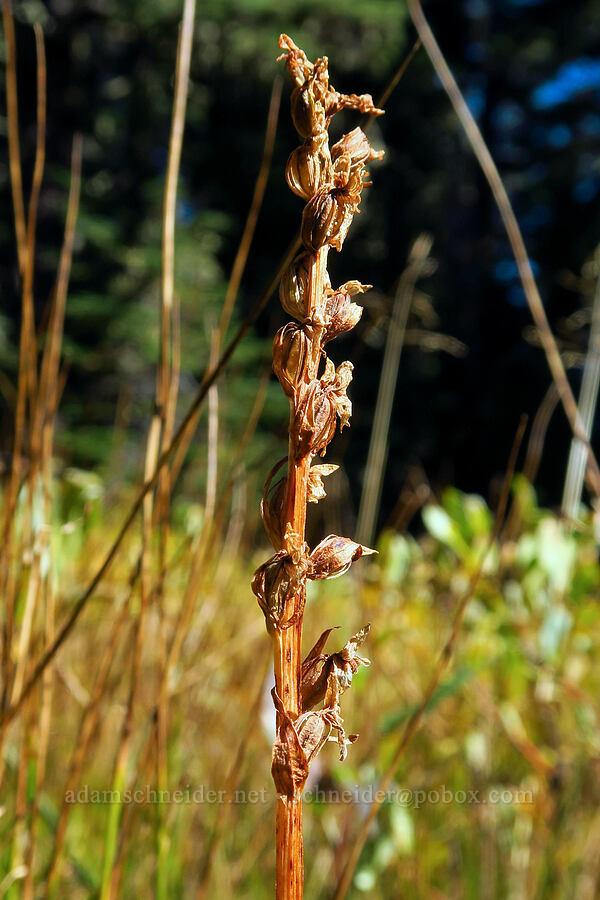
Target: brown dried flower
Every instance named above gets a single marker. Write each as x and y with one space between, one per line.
327 216
356 146
314 423
291 355
334 556
331 673
279 586
317 406
316 490
341 315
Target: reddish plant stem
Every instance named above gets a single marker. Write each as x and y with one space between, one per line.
288 641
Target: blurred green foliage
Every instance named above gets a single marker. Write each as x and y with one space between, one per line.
495 796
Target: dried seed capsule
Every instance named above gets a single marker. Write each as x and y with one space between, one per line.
278 586
327 216
308 115
308 167
341 315
293 287
356 146
314 424
334 556
291 354
289 765
271 506
321 219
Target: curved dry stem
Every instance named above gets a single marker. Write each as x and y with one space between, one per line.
513 232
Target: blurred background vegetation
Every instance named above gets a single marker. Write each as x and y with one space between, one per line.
519 709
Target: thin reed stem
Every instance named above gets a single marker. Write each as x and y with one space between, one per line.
513 232
444 660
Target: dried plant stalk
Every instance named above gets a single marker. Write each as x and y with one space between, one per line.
330 180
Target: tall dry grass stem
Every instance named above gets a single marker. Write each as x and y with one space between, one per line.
588 400
532 294
378 443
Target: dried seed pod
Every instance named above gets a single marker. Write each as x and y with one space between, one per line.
279 586
308 167
314 423
316 491
327 216
325 220
313 730
356 146
341 315
293 286
271 506
308 114
289 765
291 355
334 556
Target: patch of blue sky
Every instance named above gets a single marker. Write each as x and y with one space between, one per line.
476 9
572 78
516 295
589 125
475 99
186 212
537 217
556 136
508 115
475 51
506 270
586 189
536 173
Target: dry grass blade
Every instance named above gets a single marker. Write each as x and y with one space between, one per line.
241 257
378 444
166 398
14 151
513 231
181 433
231 780
443 663
87 726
